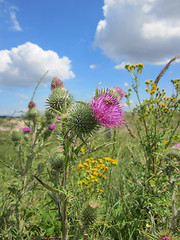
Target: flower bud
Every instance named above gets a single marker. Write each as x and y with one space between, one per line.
16 135
57 161
56 83
32 113
31 104
89 213
81 121
58 99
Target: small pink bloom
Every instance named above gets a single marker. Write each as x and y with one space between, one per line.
52 126
119 92
58 117
60 147
165 238
26 130
177 145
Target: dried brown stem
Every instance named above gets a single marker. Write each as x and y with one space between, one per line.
165 69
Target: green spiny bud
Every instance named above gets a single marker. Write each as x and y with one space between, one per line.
49 116
90 213
32 113
173 154
57 161
81 121
58 99
16 135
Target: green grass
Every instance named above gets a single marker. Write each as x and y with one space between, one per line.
132 206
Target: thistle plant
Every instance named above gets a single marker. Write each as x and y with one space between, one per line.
78 121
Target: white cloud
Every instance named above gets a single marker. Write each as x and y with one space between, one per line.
16 25
145 31
126 84
120 66
8 16
92 66
24 65
22 96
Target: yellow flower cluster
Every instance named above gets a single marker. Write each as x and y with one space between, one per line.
82 149
93 172
139 67
158 101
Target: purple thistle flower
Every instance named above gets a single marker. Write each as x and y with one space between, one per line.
26 130
177 145
52 126
107 110
165 238
119 92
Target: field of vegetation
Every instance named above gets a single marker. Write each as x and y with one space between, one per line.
89 170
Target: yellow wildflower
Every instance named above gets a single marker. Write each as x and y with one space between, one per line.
115 162
82 149
99 190
80 165
152 91
85 164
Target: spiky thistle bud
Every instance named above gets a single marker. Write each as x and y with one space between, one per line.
90 213
173 154
49 116
57 161
31 104
16 135
56 83
58 99
80 120
32 113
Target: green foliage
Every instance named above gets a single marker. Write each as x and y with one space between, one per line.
132 172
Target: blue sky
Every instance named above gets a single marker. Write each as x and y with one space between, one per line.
83 42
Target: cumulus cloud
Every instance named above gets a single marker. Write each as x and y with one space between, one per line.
145 31
24 65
